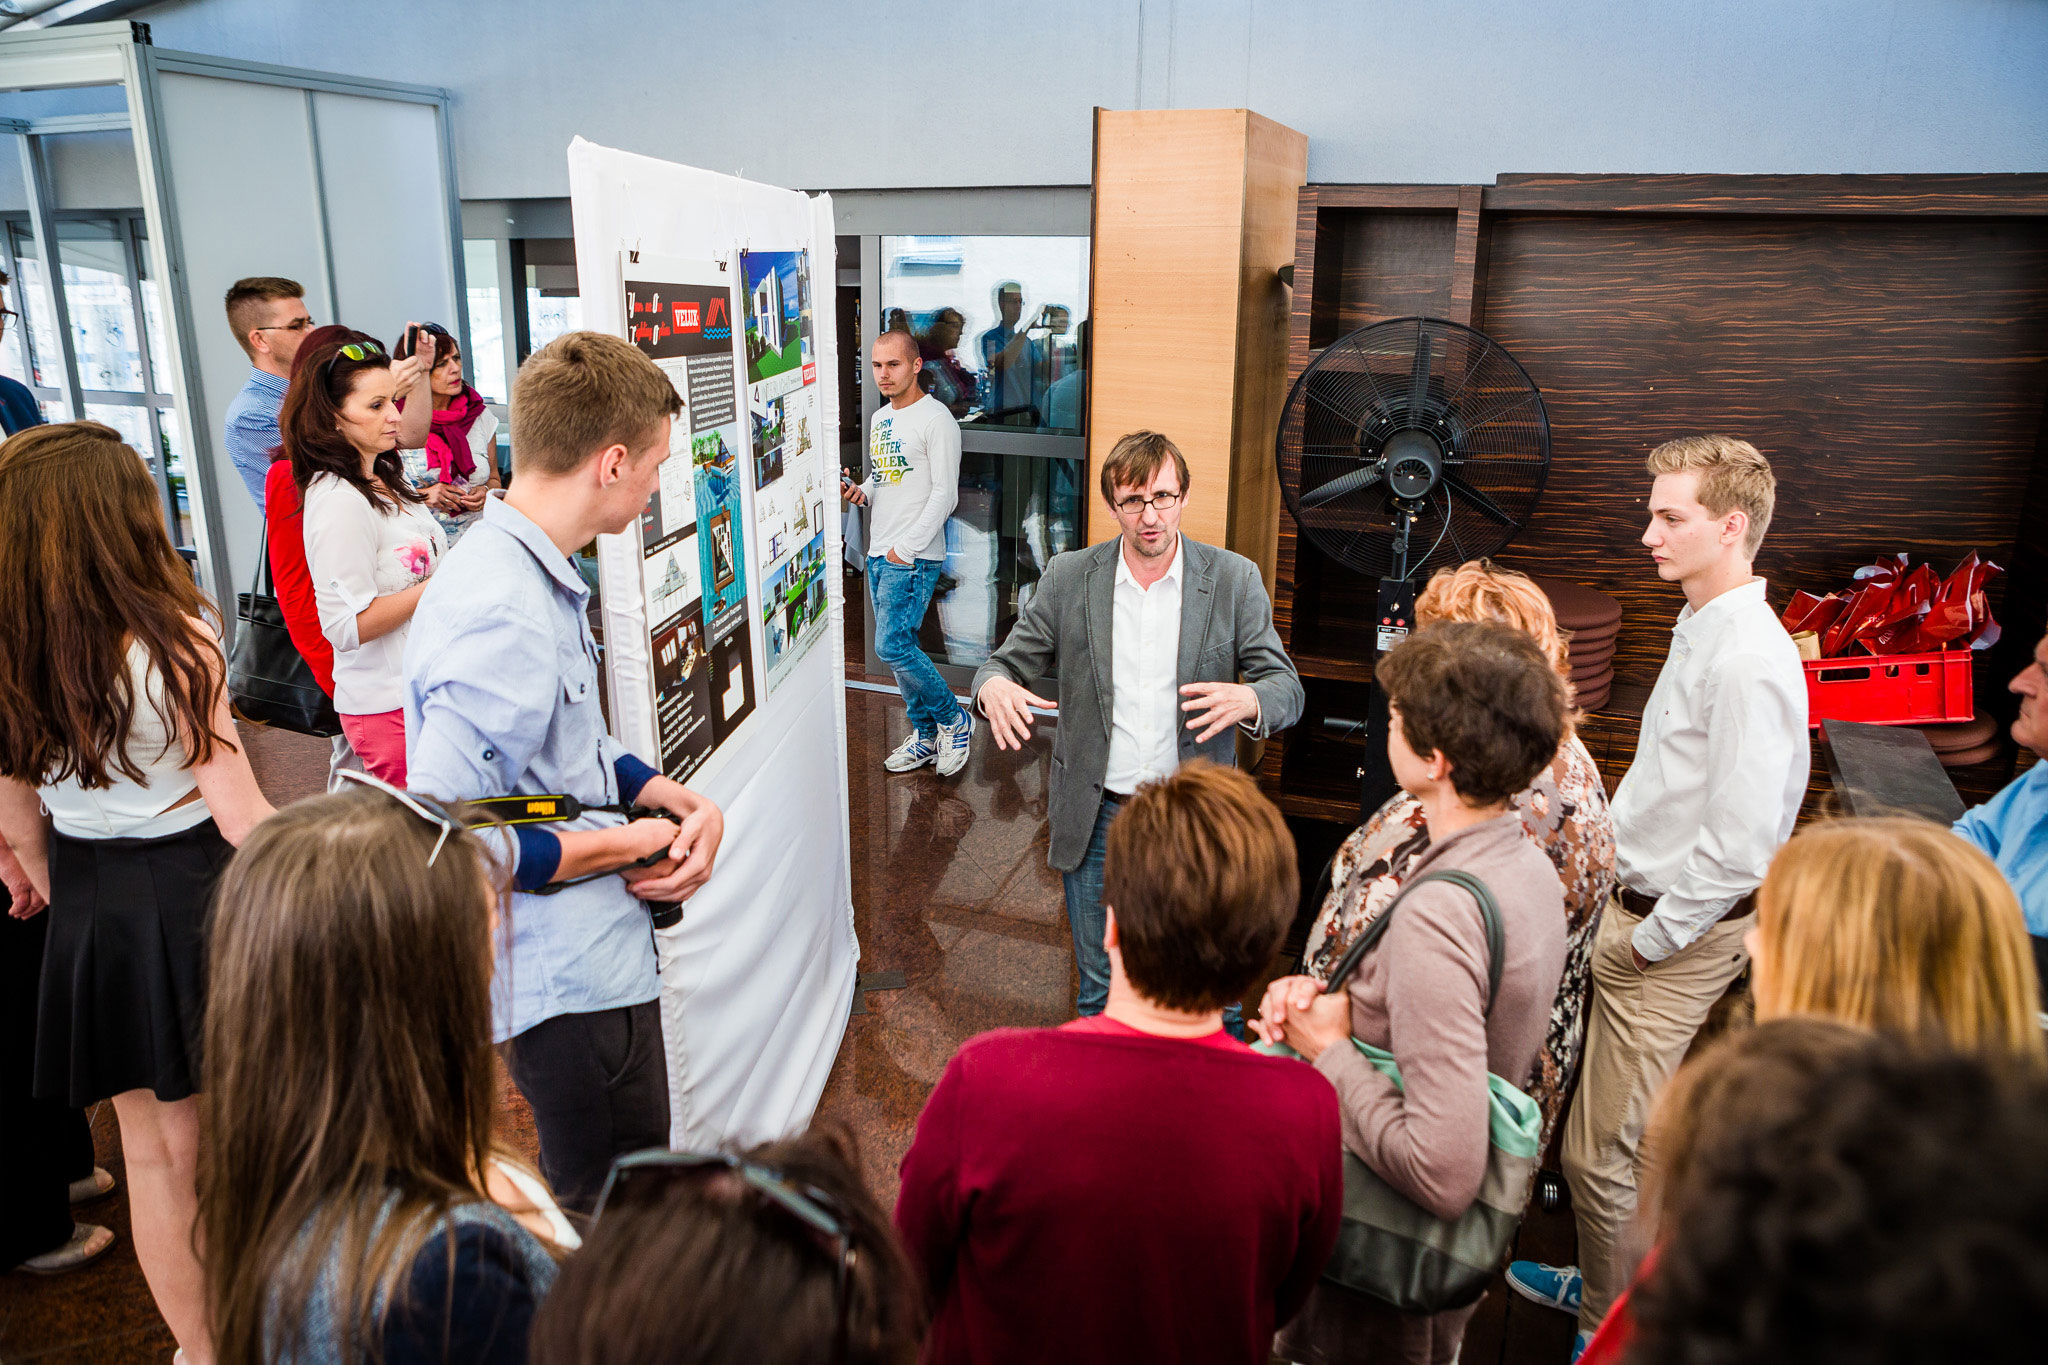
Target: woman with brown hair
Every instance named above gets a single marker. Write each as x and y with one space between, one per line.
371 543
1898 926
352 1201
114 719
1564 812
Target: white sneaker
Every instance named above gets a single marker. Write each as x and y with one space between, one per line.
911 754
954 740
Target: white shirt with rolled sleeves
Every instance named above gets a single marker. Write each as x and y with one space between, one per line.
913 479
1719 772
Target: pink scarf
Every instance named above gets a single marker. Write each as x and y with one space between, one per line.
448 451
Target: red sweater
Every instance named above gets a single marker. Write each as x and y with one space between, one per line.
291 579
1098 1194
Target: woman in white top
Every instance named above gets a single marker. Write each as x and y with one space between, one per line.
458 466
114 719
371 543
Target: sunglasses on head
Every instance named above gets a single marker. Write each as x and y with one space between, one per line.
426 808
642 1176
356 350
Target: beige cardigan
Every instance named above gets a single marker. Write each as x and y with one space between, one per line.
1420 993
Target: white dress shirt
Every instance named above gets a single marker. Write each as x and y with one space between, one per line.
1144 725
1720 768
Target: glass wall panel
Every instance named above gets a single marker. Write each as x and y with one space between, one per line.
104 331
550 315
486 319
1001 323
1015 513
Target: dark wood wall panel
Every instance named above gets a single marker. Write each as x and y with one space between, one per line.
1884 339
1392 265
1893 370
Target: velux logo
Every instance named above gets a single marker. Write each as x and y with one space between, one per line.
685 315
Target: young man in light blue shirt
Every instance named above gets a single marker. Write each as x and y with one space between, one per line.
501 698
2012 827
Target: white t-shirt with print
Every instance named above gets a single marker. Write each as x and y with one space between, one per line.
358 553
913 479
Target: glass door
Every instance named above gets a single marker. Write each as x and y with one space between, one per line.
116 318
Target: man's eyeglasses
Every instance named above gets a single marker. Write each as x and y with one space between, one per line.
1158 502
641 1176
295 325
433 815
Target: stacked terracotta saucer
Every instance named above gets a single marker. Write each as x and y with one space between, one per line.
1591 621
1960 744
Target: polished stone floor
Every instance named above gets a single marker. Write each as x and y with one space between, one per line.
951 890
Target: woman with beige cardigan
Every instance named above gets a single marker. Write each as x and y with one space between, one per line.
1476 712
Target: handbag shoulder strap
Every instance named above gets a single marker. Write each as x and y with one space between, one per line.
1489 917
261 585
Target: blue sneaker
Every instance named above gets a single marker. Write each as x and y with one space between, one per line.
1553 1286
1579 1345
912 753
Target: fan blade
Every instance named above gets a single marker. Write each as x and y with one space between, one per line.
1478 500
1418 377
1336 488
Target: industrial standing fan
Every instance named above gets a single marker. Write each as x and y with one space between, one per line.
1406 446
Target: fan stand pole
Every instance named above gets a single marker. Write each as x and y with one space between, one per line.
1394 617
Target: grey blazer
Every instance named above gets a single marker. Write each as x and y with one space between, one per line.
1226 629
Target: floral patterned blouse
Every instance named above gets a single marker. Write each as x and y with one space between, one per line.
1565 811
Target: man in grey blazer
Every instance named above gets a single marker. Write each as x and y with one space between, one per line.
1143 630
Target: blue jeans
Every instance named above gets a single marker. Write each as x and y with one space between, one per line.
1087 921
902 593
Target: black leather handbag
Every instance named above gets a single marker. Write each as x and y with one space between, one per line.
270 681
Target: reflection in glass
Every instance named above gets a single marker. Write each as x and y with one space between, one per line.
102 307
1001 324
550 315
173 441
46 365
1014 514
13 352
486 321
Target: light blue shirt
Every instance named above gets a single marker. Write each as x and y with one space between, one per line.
2012 827
501 699
251 429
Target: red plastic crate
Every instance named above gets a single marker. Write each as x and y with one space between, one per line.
1890 689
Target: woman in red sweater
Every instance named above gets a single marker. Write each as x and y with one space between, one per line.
1138 1185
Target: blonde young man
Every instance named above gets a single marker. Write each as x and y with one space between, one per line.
1718 776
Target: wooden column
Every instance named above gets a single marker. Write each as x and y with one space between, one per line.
1194 215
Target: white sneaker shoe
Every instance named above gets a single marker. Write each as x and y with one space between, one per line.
954 741
912 754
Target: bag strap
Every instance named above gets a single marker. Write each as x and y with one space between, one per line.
1489 917
262 586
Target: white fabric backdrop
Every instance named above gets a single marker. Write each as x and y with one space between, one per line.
757 980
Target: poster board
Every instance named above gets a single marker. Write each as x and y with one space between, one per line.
758 978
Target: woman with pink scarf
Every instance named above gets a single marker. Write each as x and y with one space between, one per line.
458 466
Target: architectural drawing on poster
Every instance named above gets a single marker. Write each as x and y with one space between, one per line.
794 609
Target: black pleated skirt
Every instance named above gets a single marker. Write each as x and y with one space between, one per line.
124 973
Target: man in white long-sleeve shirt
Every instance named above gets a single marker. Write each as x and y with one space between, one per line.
913 481
1718 776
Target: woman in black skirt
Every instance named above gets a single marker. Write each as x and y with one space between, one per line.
114 721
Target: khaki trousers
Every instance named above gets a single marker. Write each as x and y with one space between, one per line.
1638 1027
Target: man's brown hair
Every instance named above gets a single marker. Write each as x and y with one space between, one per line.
581 393
1135 459
245 297
1483 695
1200 873
1734 476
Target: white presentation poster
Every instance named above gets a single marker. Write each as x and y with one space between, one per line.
758 978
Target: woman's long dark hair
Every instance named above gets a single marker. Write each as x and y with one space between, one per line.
309 423
86 570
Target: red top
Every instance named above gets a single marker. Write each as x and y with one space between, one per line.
1094 1193
1618 1329
291 579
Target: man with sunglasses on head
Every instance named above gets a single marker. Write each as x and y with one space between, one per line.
1149 634
501 699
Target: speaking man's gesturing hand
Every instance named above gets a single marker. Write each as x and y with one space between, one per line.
1008 708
